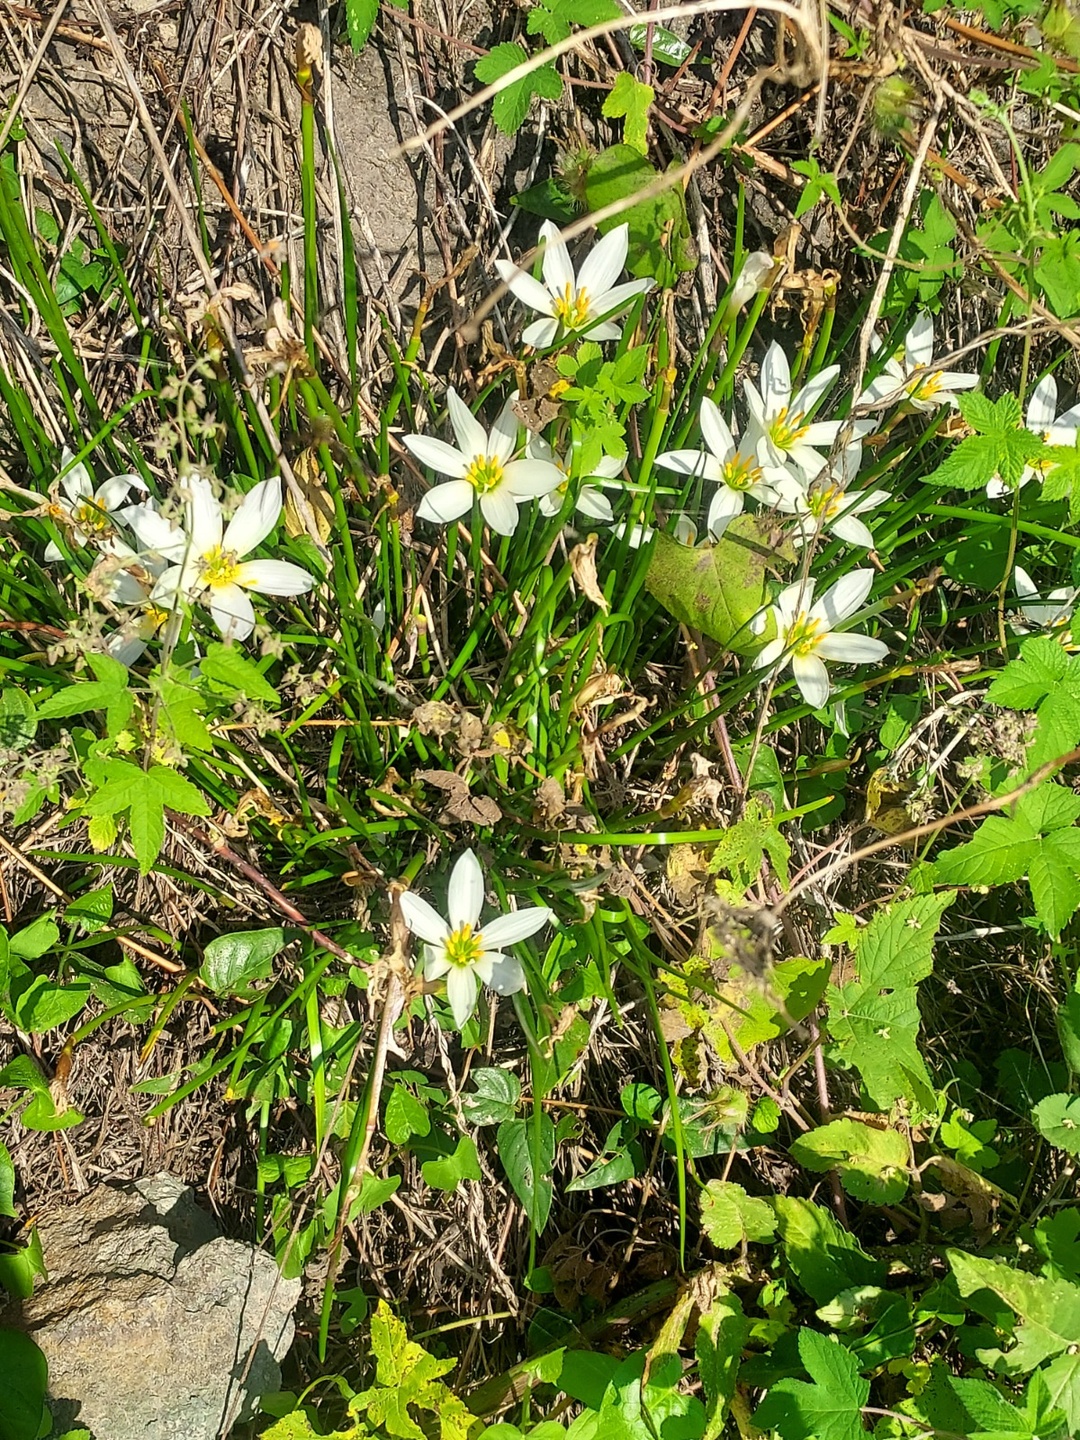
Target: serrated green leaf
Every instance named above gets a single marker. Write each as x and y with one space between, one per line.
407 1376
77 700
511 105
1057 1119
828 1409
1000 447
178 793
227 667
1048 1310
718 1345
872 1163
823 1256
732 1218
630 99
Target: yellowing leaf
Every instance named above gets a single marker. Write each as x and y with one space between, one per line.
309 477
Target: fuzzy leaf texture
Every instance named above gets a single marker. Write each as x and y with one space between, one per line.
511 105
874 1019
730 1217
1044 678
828 1409
872 1163
1000 446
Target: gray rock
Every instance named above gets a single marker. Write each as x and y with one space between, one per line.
149 1315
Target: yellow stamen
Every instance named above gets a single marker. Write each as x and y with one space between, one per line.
740 473
220 568
803 635
91 518
925 387
825 502
463 948
485 474
785 430
572 307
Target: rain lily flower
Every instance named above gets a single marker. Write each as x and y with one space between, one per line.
206 555
738 473
755 276
91 513
912 372
570 302
1043 612
806 634
828 505
467 953
591 500
1040 420
480 466
779 431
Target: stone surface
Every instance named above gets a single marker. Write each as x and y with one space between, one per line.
148 1316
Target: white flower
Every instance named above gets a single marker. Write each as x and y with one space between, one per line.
481 466
806 634
779 431
591 500
90 513
912 372
572 302
756 275
830 505
459 948
737 472
1042 612
1041 420
636 536
205 554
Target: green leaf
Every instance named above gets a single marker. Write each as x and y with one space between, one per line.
1000 446
820 184
631 99
874 1019
554 18
1057 272
407 1375
823 1256
718 1344
717 587
18 719
77 699
26 1379
1057 1119
1048 1310
872 1163
660 242
405 1116
227 667
667 47
447 1173
360 17
730 1217
144 795
36 939
7 1184
1061 480
511 104
495 1098
375 1190
46 1004
828 1409
232 963
92 910
527 1152
1067 1021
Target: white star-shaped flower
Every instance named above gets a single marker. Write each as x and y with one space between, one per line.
206 555
806 634
468 954
779 430
912 372
481 468
572 302
91 513
737 472
829 505
1040 420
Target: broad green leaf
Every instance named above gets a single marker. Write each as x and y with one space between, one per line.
405 1116
618 1161
47 1004
828 1409
511 104
77 699
730 1217
667 47
528 1157
23 1073
18 719
92 910
227 667
26 1379
1067 1021
7 1184
823 1256
407 1376
659 232
872 1164
375 1190
1048 1311
447 1173
717 587
35 940
630 99
360 17
1057 1119
1000 446
718 1344
495 1098
232 963
554 18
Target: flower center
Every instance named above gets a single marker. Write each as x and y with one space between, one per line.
90 518
740 473
572 307
925 387
463 948
785 430
804 635
220 568
485 474
825 501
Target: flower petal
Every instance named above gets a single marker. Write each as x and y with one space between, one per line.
499 509
158 535
852 649
507 975
470 434
204 522
503 439
769 654
445 503
1023 584
716 431
258 514
814 389
509 929
852 530
812 679
75 482
555 264
436 962
116 489
919 342
525 479
541 333
1042 406
723 507
612 301
423 919
233 612
845 597
604 264
527 289
274 577
465 897
437 455
594 504
775 379
462 987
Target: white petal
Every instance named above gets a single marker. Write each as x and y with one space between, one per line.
507 975
602 330
594 504
124 589
812 679
175 582
258 514
508 929
423 919
845 597
769 655
814 389
525 479
715 429
461 990
919 342
611 302
537 448
503 439
775 378
685 531
690 462
274 577
1042 406
438 455
76 483
204 523
604 264
723 507
469 433
447 502
610 467
852 649
53 554
853 531
116 489
996 488
499 509
555 264
1023 584
436 963
233 612
957 380
125 647
541 333
155 533
528 290
465 897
